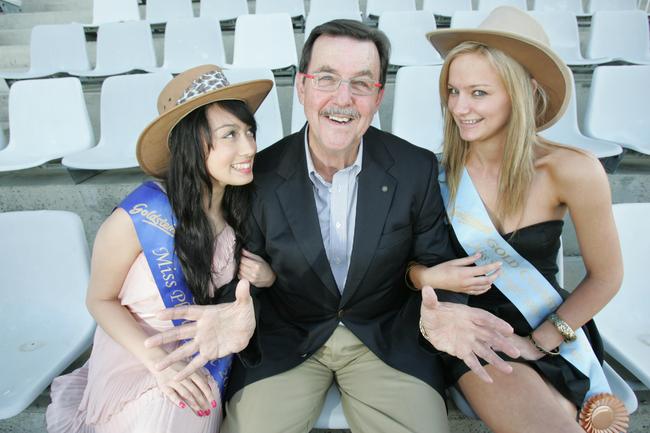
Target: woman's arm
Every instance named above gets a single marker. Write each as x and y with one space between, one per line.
116 249
582 185
458 275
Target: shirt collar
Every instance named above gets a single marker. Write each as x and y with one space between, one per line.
313 174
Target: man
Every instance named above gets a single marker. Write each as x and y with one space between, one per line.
341 208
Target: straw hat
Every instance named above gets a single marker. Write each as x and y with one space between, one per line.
520 36
186 92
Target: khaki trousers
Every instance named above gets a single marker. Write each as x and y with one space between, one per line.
376 398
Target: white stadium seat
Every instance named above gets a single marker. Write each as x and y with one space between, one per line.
44 262
406 31
618 106
48 119
54 49
128 104
264 41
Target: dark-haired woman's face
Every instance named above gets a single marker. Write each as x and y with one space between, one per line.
230 159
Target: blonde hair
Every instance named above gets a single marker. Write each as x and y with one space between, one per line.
528 104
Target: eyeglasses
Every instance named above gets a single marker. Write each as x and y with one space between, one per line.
330 82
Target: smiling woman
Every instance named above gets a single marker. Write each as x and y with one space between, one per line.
507 191
173 241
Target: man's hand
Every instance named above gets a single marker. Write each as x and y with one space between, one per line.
217 331
466 333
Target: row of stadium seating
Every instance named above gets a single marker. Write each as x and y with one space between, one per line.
614 118
160 11
268 41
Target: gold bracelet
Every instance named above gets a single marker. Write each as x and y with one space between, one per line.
423 331
568 334
407 279
554 352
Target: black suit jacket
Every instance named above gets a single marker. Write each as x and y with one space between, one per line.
399 217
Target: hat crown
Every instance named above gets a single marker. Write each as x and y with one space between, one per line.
191 84
514 20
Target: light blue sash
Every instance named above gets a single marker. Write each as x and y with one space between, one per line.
519 281
154 223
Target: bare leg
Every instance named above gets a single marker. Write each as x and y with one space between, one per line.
519 402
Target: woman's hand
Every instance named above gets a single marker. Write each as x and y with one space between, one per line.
255 269
458 275
526 348
195 391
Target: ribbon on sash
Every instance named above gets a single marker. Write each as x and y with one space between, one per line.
519 281
152 216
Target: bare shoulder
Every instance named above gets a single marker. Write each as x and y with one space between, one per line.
574 173
569 167
117 231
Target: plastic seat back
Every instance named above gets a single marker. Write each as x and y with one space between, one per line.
488 5
268 118
161 11
54 48
128 104
417 116
315 19
572 6
48 119
620 35
334 6
446 8
124 47
192 42
332 416
406 30
467 19
374 8
264 41
44 262
624 323
620 116
567 131
223 10
111 11
564 36
610 5
295 8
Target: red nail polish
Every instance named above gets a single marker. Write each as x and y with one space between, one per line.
214 404
200 413
182 405
207 412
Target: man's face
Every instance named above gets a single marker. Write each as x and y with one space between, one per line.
338 119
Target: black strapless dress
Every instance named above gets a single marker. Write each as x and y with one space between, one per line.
539 244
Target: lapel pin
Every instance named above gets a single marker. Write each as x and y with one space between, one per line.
384 188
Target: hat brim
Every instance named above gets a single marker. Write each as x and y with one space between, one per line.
152 148
540 61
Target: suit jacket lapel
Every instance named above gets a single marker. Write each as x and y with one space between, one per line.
375 194
296 197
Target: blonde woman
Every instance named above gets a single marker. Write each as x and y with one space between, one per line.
507 191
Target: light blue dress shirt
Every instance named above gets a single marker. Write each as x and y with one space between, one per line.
336 204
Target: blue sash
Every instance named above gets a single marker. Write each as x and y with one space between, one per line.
154 223
519 281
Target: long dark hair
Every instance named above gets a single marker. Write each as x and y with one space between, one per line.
187 183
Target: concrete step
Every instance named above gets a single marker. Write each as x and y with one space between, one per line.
56 5
15 36
27 20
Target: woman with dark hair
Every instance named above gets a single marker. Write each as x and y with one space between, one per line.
173 241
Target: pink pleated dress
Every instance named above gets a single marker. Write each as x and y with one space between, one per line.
114 392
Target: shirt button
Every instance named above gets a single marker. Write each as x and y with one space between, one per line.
337 261
338 225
